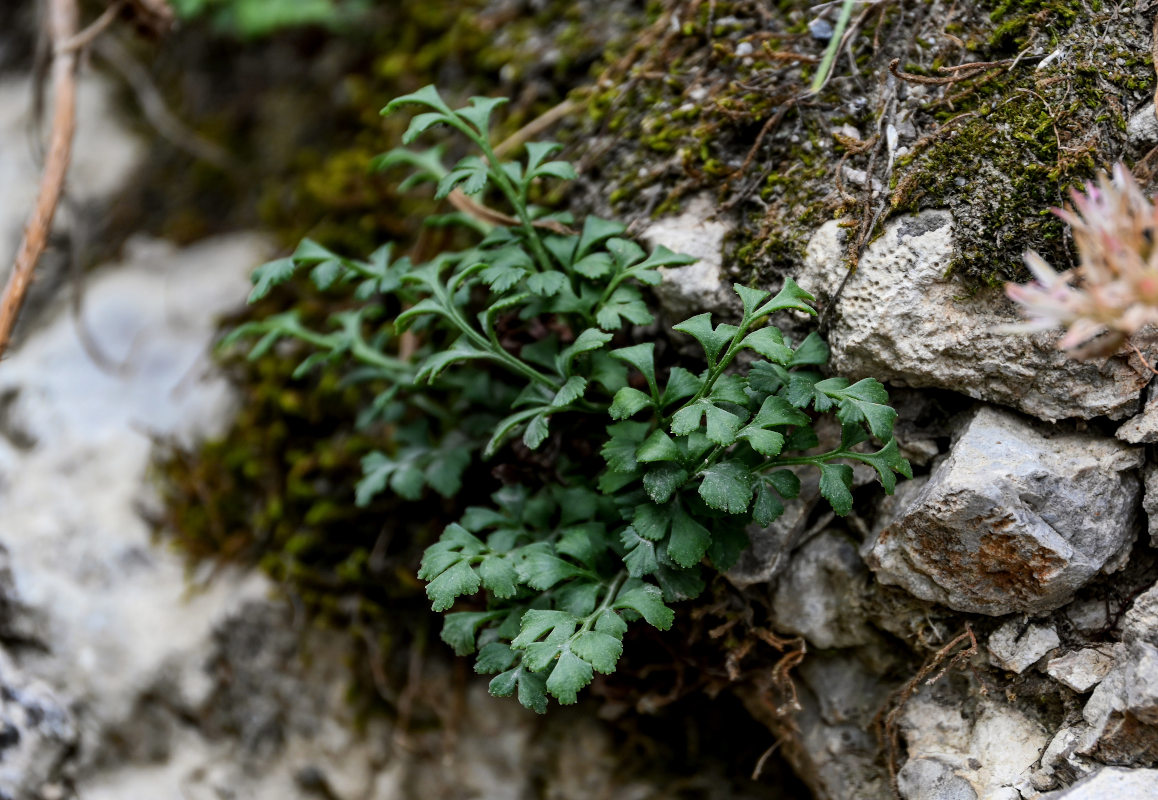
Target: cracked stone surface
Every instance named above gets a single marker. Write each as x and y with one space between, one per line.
1016 519
900 320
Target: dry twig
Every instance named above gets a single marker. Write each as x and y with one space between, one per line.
63 20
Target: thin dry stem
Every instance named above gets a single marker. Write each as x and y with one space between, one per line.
63 19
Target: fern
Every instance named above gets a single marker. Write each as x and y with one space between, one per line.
548 577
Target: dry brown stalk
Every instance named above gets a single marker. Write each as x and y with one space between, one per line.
63 20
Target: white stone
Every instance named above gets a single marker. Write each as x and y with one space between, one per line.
1016 646
1142 127
992 748
1016 519
1112 783
900 319
1080 670
700 286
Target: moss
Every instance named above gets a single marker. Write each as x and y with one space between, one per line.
1029 137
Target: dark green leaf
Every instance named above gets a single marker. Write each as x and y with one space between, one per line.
619 451
657 447
571 673
727 486
269 275
594 265
600 650
769 342
647 601
642 357
640 559
459 630
785 482
767 507
751 298
498 576
663 480
728 542
478 113
571 391
458 580
713 340
812 351
628 402
790 296
835 486
689 540
541 569
546 284
494 657
596 230
652 521
680 384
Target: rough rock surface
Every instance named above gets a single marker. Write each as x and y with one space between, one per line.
899 319
1016 647
976 753
1081 670
1112 783
1016 519
821 593
1143 428
699 286
1150 501
37 736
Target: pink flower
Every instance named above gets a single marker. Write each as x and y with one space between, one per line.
1113 292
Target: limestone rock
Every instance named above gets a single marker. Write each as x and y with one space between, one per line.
990 746
1016 519
1150 501
1016 647
1143 428
819 595
1112 783
700 286
1123 709
1080 670
899 319
1140 623
37 735
1143 126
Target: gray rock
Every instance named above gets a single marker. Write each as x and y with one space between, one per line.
1016 519
828 740
1141 678
819 596
1142 127
37 736
932 779
1112 783
1121 710
1140 622
1142 428
991 744
1080 670
1016 646
701 286
1150 501
899 319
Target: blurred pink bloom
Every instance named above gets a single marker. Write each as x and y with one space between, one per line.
1113 292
